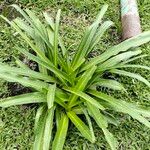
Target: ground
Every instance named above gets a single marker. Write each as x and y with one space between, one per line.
16 123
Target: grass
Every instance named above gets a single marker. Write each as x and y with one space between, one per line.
16 124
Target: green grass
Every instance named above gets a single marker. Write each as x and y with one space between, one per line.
16 123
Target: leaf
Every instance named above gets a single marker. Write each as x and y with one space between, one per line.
86 98
34 47
56 26
25 81
80 125
116 59
81 84
123 46
101 13
111 119
61 75
61 102
133 66
98 117
26 72
100 32
77 110
121 106
102 123
110 139
61 95
132 75
38 27
87 39
24 26
35 97
21 64
58 114
38 142
134 58
49 19
112 84
21 12
90 124
39 113
51 95
61 133
51 23
48 128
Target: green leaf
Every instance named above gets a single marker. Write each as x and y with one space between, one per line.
33 46
87 39
110 139
21 12
26 72
61 95
48 128
58 114
121 106
102 123
39 113
111 119
56 26
38 142
86 98
47 65
100 32
98 117
51 95
61 133
21 64
90 124
112 84
35 97
25 81
132 75
134 58
81 84
124 46
117 59
80 125
49 19
61 102
38 27
24 26
133 66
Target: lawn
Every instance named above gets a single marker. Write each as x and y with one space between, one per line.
17 123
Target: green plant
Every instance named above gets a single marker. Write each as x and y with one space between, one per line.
66 86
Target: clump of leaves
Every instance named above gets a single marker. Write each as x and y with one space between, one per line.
66 85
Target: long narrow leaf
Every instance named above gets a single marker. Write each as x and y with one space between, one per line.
39 113
38 142
132 75
112 84
86 98
48 129
110 139
51 95
26 72
117 59
121 106
124 46
35 97
25 81
61 133
56 38
80 125
81 84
